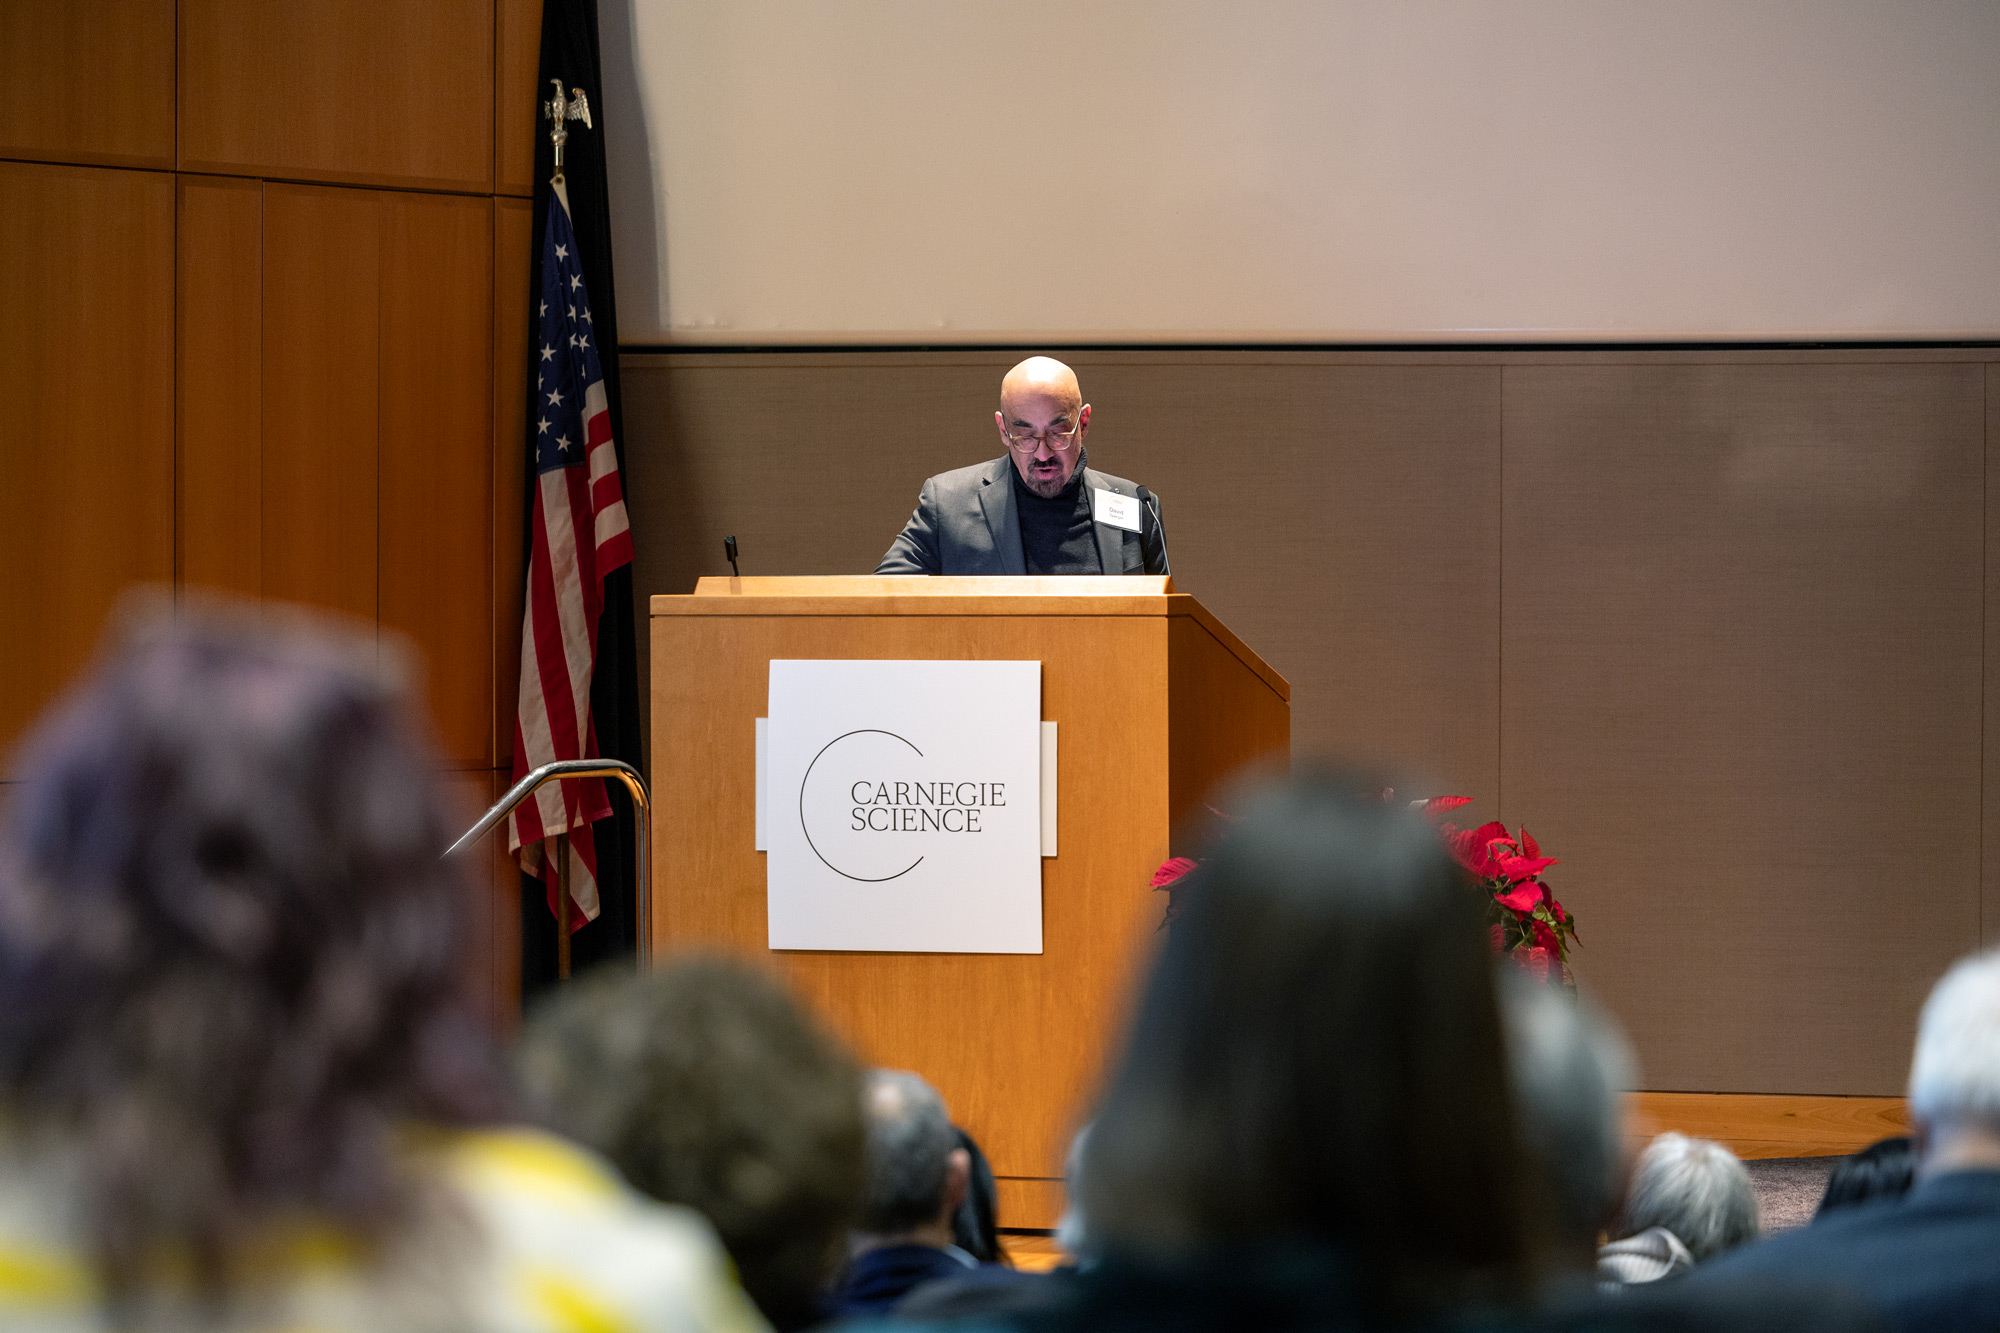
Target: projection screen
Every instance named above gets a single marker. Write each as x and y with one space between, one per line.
951 171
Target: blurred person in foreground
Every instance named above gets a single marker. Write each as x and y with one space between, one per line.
1311 1125
1572 1070
1930 1260
241 1086
1690 1200
918 1178
1311 1122
708 1085
1073 1228
975 1227
1883 1170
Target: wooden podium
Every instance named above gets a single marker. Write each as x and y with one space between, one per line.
1155 702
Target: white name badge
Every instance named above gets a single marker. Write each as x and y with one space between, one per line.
1120 511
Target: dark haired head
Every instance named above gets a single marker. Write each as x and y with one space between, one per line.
708 1085
974 1227
1882 1170
1317 1055
230 967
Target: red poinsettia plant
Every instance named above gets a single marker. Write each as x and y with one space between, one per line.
1168 878
1526 921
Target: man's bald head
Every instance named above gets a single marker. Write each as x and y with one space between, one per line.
1037 397
1040 376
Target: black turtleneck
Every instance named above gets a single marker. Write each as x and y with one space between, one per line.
1058 534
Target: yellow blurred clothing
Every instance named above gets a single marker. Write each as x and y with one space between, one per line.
523 1233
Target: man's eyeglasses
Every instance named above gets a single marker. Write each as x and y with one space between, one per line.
1058 438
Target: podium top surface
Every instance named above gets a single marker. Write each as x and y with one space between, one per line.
910 595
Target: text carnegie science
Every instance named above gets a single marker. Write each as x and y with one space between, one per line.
923 807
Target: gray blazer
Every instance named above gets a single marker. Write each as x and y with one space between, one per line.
967 523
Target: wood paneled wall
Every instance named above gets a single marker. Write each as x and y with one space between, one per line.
1710 623
87 371
231 366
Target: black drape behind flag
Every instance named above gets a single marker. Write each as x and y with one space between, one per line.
570 53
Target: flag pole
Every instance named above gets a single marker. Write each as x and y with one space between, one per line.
562 906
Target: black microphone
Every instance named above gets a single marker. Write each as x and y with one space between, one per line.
729 549
1151 502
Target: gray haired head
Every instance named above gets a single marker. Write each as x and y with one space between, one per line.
1695 1188
1955 1071
910 1142
1570 1068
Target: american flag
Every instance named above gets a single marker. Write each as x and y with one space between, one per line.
579 535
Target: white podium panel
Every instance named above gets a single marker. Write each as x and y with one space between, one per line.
903 806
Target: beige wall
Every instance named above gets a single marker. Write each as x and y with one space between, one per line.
1303 170
1709 623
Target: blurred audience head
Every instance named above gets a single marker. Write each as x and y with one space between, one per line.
1955 1072
1571 1069
1317 1055
975 1226
917 1172
1882 1170
230 956
708 1085
1695 1188
1072 1231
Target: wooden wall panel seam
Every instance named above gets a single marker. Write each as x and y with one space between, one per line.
493 472
88 161
180 555
263 263
381 341
276 174
73 158
218 332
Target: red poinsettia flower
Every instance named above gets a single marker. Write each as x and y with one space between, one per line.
1538 963
1546 938
1522 897
1498 936
1523 867
1438 806
1473 849
1171 870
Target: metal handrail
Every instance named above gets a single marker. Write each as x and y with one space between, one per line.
642 807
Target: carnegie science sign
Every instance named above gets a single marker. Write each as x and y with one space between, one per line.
906 802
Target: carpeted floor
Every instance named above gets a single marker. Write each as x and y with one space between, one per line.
1788 1189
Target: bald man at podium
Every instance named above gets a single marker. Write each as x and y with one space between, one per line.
1038 509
